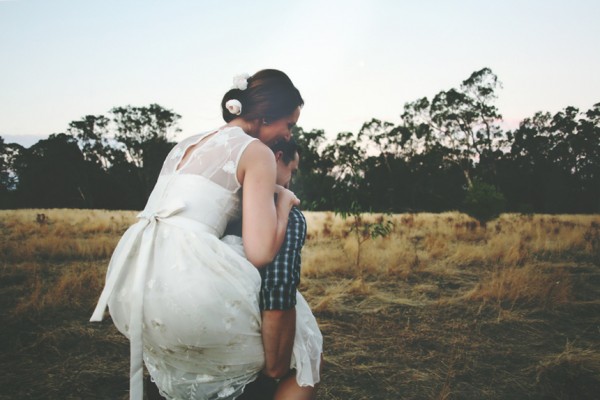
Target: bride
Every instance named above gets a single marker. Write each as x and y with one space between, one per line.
187 301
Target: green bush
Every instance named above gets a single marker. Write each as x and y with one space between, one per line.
484 202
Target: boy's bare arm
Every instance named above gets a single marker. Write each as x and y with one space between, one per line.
278 331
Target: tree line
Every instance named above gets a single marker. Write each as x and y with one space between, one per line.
446 153
102 161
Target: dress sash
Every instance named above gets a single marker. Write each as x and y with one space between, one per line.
144 232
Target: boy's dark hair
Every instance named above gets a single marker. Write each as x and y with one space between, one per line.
289 149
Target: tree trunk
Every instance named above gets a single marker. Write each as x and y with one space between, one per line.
468 177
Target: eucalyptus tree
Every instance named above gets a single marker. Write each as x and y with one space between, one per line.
314 179
9 179
129 144
348 154
586 144
93 137
558 158
52 173
8 155
385 139
386 171
135 127
464 121
143 135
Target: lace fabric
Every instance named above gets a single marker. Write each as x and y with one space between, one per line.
214 155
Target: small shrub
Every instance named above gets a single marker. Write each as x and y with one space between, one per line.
484 202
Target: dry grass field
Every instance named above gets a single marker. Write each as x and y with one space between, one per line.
441 308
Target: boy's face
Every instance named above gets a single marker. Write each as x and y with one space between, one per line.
286 172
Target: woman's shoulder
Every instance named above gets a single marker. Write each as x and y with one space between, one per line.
256 155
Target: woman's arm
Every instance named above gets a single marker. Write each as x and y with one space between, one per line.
264 222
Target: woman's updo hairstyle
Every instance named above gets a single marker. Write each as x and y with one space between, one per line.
270 95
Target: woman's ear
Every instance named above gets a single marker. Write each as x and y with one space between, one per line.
253 127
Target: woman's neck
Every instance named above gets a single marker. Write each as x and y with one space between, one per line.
250 127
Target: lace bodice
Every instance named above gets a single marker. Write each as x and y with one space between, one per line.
202 190
214 155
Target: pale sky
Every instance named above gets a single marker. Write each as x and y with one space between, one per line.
352 60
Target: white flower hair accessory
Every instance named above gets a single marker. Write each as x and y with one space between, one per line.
240 81
234 106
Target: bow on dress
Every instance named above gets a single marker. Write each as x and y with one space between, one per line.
143 230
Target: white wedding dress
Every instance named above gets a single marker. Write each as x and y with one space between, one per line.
188 301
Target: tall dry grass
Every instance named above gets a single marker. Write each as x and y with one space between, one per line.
60 257
439 308
502 263
453 240
444 241
68 287
509 262
63 235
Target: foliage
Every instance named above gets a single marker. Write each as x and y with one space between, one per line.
558 161
484 202
92 135
52 173
364 231
313 181
428 161
8 175
463 121
108 161
135 127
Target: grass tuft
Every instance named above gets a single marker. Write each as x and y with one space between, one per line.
572 374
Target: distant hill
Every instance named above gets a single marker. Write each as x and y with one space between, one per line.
23 140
